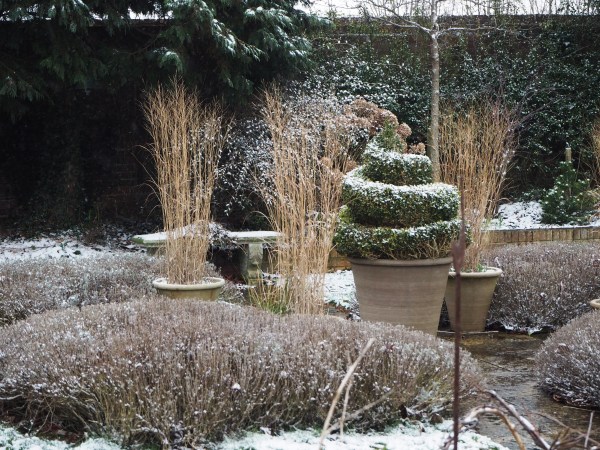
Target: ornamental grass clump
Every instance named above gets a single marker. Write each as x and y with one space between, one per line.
568 363
303 196
187 138
393 210
476 148
181 373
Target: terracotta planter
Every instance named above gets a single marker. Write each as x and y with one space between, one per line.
595 303
477 289
209 290
401 292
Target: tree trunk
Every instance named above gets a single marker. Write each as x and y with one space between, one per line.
433 134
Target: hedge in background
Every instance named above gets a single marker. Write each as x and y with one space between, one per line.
181 373
545 67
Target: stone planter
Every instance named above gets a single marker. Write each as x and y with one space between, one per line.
402 292
595 303
477 289
209 290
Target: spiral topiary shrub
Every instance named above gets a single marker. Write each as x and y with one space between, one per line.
179 373
397 227
569 364
393 209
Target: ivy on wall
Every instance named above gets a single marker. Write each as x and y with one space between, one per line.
546 68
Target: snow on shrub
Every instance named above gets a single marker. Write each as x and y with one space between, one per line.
180 373
568 363
33 286
396 168
375 203
544 285
383 218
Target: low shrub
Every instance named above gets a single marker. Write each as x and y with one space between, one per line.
394 167
567 364
33 286
544 285
379 204
181 373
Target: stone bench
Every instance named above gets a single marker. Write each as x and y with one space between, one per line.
251 243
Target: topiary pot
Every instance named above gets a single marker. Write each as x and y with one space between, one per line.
208 290
404 292
396 228
476 291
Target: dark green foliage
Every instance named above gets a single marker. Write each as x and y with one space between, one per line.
378 204
223 47
388 138
395 168
569 201
546 68
428 241
393 220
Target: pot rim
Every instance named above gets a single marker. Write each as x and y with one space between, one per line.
401 262
209 283
488 273
595 303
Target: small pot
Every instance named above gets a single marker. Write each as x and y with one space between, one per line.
595 303
209 289
477 289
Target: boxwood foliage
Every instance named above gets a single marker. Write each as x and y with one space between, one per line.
395 168
394 220
428 241
375 203
182 373
567 368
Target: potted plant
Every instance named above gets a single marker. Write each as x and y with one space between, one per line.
476 148
187 138
396 228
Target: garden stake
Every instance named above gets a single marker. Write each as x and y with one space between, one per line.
458 257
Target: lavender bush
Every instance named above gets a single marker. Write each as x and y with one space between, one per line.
33 286
568 366
182 373
544 285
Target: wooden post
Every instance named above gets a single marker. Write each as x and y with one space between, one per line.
568 155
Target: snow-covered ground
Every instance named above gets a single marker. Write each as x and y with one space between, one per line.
525 215
396 438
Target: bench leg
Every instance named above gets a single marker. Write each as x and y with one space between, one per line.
251 266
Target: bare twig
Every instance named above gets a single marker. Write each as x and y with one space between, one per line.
340 389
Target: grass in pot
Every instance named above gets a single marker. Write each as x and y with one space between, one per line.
187 138
477 145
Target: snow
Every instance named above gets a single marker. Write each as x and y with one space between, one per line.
339 289
59 245
417 437
10 439
526 215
